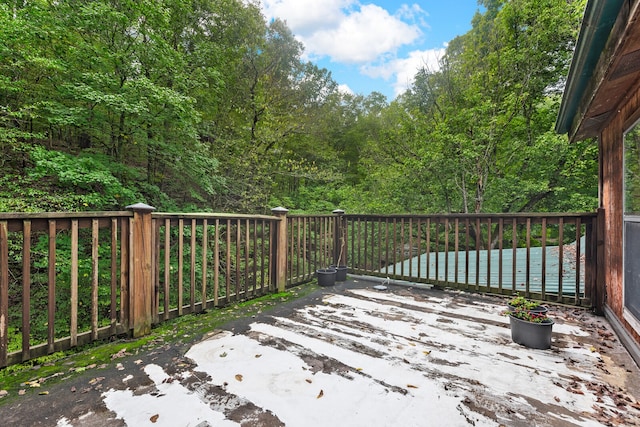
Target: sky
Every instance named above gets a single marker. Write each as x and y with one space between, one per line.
373 45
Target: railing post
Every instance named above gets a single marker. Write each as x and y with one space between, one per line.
339 241
590 249
280 254
140 282
4 293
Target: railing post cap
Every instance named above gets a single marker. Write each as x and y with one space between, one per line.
279 210
141 207
338 212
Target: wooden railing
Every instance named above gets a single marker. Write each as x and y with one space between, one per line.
544 256
63 278
310 245
204 261
67 279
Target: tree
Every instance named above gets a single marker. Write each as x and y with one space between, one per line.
202 104
491 106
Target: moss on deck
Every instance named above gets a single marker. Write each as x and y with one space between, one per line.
28 377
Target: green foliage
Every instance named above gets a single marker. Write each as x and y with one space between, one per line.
206 106
477 135
523 303
632 170
56 181
529 316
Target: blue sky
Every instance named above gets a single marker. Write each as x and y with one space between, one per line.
373 45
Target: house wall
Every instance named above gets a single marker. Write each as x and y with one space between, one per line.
611 200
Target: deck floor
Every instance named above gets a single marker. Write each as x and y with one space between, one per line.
400 357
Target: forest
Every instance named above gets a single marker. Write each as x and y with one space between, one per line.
203 105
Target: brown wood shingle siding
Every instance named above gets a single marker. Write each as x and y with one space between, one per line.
612 176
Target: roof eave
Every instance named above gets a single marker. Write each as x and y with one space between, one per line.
599 18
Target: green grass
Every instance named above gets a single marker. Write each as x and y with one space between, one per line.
179 331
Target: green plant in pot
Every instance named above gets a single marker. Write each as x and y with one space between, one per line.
529 315
521 303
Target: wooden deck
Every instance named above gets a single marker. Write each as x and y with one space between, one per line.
356 356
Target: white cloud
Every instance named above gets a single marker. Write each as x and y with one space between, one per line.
356 32
345 89
362 36
403 70
414 13
345 30
304 17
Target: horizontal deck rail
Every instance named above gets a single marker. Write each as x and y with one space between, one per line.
549 257
310 246
67 279
204 261
62 277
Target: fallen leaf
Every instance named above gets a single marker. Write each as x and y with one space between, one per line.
154 418
3 393
258 355
411 386
121 353
238 377
119 367
137 362
427 352
320 394
224 354
73 389
308 380
95 380
43 393
358 369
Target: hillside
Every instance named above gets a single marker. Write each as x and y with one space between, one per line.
207 106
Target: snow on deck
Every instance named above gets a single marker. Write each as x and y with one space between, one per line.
402 357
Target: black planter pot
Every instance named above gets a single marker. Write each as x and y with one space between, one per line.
341 272
531 334
326 276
